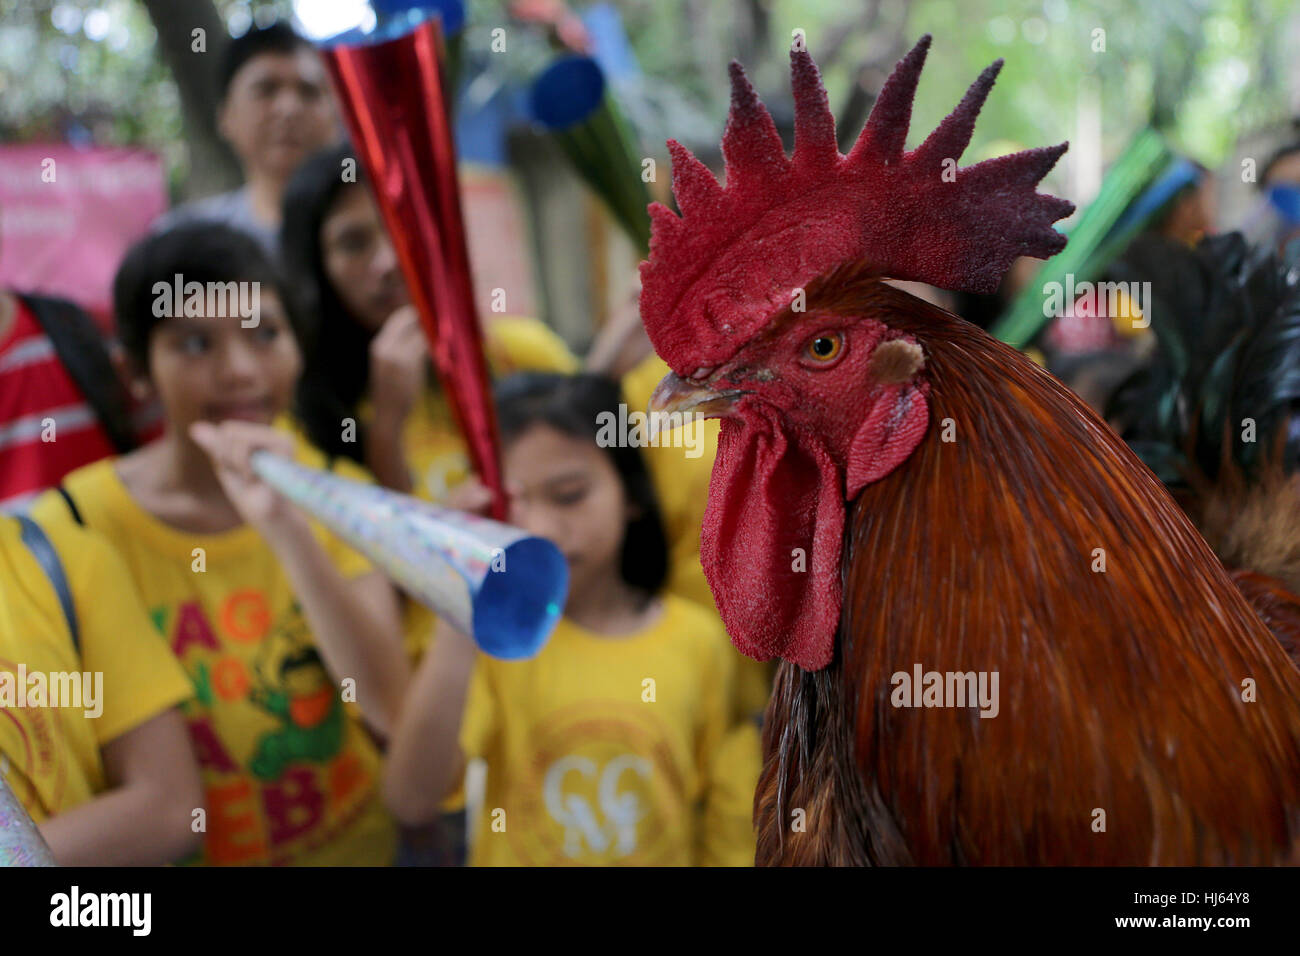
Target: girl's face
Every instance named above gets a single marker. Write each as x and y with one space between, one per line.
567 490
211 368
359 259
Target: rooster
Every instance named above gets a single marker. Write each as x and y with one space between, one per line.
895 491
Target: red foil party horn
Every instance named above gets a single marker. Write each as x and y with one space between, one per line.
390 84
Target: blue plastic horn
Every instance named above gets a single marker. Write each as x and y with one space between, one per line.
568 92
572 100
395 18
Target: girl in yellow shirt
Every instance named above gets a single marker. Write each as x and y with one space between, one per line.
108 776
681 479
290 639
367 362
614 746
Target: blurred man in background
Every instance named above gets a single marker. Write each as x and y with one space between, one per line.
275 110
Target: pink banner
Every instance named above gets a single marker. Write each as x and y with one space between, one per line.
67 215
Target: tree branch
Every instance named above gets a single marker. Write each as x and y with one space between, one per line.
212 165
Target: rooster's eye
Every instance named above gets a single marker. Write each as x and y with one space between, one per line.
824 348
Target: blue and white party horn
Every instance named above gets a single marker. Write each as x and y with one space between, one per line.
492 581
21 843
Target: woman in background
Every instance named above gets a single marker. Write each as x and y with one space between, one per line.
368 361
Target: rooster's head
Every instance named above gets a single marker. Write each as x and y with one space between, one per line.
743 297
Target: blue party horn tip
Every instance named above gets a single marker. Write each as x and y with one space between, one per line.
394 18
568 92
516 608
451 11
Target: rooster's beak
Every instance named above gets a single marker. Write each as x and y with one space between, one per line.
675 394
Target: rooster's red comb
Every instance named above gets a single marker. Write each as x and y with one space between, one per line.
738 254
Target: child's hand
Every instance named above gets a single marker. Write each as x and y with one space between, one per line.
399 356
230 444
473 496
622 343
455 647
470 495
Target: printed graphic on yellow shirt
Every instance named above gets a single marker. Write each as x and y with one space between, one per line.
586 767
290 773
293 686
305 787
604 789
36 756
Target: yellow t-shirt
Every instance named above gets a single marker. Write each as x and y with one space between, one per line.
601 751
729 813
291 774
681 482
50 756
682 485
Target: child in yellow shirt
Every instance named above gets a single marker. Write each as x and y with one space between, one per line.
605 748
292 642
681 479
368 363
103 765
681 466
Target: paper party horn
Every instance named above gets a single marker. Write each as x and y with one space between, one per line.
492 581
394 98
21 843
572 101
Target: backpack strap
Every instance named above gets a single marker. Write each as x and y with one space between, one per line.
38 543
83 353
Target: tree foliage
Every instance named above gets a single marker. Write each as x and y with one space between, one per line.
1203 71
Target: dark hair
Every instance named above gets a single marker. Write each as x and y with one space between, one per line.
1280 154
336 365
279 37
573 404
198 252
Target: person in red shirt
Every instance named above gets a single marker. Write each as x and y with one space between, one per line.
61 403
